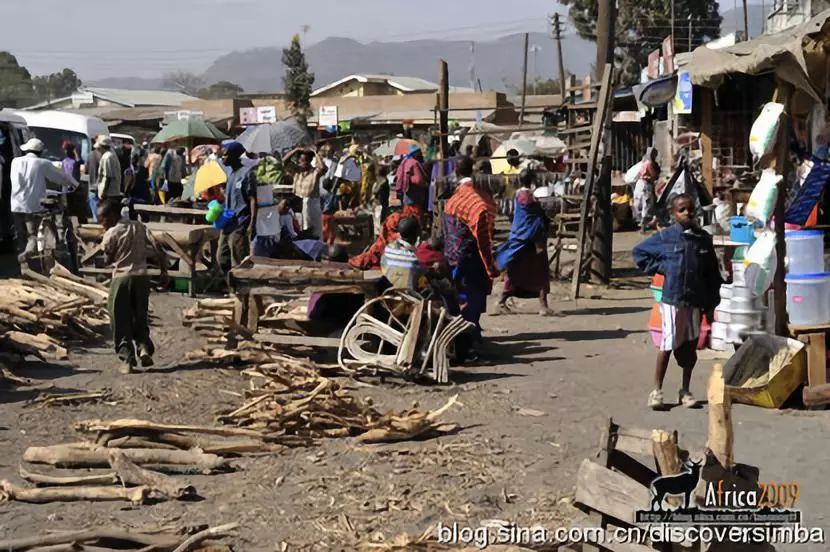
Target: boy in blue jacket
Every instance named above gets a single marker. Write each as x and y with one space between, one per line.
684 254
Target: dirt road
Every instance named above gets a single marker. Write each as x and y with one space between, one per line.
529 414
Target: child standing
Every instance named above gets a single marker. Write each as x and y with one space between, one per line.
684 254
127 244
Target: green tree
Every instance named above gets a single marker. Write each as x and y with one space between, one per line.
641 26
15 82
221 90
298 81
56 85
539 86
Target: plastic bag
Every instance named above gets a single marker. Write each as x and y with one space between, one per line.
631 174
764 129
761 202
760 261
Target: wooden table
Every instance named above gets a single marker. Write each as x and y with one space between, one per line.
168 213
257 277
186 244
814 338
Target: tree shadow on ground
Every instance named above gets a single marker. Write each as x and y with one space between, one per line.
462 376
507 351
567 335
43 370
11 394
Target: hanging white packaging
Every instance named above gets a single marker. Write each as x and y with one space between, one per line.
764 129
631 174
761 203
760 261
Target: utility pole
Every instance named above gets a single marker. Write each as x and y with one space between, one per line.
672 26
524 81
746 22
690 32
557 35
602 243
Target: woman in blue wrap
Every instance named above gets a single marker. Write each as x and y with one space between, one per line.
524 256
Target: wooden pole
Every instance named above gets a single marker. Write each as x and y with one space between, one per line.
707 101
602 242
782 146
443 111
672 26
524 80
721 437
746 22
604 21
557 35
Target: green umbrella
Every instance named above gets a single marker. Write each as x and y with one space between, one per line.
191 130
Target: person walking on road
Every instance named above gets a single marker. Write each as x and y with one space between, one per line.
109 172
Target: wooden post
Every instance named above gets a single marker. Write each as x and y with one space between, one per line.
707 100
721 435
746 22
782 146
557 35
605 21
524 81
602 231
444 108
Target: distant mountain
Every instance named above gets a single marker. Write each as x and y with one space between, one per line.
128 83
498 63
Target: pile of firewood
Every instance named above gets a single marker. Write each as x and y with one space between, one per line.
208 317
169 539
292 402
41 316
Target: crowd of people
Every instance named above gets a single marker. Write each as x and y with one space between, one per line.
434 234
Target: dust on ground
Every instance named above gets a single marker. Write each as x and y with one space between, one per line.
529 414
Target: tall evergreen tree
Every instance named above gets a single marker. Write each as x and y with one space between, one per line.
641 26
15 82
298 81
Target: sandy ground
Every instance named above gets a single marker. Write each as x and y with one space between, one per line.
572 373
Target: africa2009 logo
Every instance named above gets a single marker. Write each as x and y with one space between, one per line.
674 499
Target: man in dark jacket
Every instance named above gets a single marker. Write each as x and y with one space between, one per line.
684 254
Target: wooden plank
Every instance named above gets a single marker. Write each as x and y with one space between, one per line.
796 329
816 358
816 395
631 467
298 340
599 124
610 493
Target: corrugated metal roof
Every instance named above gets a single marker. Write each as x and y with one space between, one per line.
140 98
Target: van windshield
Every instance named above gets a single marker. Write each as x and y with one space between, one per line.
54 139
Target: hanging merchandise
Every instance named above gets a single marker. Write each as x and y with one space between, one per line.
809 193
760 262
632 174
764 129
761 203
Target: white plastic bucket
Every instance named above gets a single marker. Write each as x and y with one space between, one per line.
808 298
738 269
805 251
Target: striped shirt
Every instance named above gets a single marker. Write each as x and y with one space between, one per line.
400 265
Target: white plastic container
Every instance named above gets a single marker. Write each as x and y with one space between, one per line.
718 330
805 251
722 315
808 298
718 344
738 274
726 291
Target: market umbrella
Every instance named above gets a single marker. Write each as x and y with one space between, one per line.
499 158
209 175
274 137
189 130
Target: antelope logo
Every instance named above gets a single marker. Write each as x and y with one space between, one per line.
683 483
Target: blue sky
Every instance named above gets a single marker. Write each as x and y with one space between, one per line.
101 38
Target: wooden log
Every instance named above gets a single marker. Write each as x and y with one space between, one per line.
131 474
194 540
19 313
721 437
65 273
816 395
55 480
98 457
666 452
610 493
9 491
222 448
128 424
86 535
40 345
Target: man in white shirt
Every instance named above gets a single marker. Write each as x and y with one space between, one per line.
110 174
31 176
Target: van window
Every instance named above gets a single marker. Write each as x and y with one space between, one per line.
54 139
